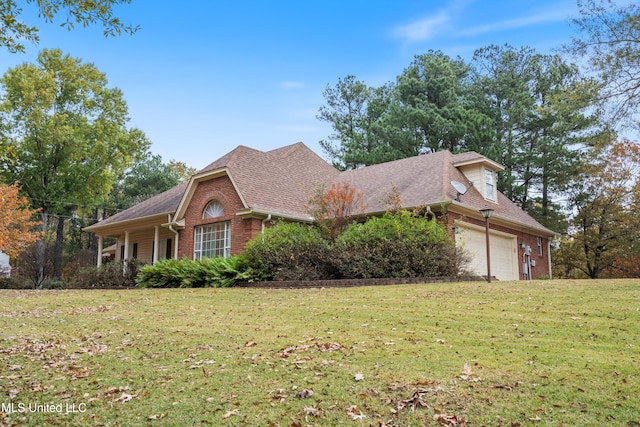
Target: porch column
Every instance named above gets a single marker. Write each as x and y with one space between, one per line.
156 244
100 243
126 252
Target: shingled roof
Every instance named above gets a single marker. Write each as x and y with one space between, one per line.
281 181
163 203
426 180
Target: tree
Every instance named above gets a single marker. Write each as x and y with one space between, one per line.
333 209
181 170
432 111
17 227
610 40
348 112
424 110
64 137
606 199
542 115
146 178
13 30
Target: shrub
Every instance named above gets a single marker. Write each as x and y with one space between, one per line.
334 209
187 273
13 283
109 275
289 251
396 245
53 284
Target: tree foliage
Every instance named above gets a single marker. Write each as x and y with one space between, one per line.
333 209
533 113
423 110
609 37
63 136
146 178
13 31
606 198
542 119
17 227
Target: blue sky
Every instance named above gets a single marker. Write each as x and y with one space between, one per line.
203 76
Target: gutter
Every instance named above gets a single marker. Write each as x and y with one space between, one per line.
261 213
264 221
170 226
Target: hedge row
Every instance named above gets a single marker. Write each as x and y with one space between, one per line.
187 273
392 246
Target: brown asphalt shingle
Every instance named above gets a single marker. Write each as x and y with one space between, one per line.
281 181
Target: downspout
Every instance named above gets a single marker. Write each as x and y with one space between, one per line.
549 257
262 227
175 247
268 218
430 212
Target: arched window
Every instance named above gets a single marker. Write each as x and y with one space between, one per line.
214 209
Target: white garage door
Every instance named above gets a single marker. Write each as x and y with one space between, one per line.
504 251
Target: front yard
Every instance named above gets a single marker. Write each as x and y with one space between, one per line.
506 353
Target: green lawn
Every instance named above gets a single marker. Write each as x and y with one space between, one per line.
557 353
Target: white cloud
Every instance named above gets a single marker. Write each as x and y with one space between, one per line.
433 25
511 24
450 21
291 85
423 29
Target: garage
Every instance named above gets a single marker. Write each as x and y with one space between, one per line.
504 251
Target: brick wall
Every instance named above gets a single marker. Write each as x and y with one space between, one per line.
222 190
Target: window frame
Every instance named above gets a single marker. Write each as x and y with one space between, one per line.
490 185
211 247
539 243
213 209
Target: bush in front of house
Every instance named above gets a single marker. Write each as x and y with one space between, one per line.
188 273
13 283
395 246
107 276
290 251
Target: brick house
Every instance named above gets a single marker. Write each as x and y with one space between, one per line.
234 198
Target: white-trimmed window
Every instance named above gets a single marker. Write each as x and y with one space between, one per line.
490 184
539 241
213 210
212 240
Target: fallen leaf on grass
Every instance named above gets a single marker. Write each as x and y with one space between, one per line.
467 374
417 400
125 397
449 420
359 377
355 413
303 394
323 347
310 410
157 416
230 413
112 390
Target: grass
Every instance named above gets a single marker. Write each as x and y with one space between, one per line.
548 353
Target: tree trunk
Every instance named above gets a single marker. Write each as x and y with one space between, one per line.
41 252
57 249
